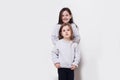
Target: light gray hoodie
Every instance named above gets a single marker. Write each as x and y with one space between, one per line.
66 53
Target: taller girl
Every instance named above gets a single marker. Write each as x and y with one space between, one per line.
65 16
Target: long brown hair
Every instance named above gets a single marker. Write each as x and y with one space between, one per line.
60 15
60 30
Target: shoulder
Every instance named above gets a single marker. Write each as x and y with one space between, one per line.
57 26
73 24
59 41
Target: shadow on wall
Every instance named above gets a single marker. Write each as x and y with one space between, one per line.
88 66
77 71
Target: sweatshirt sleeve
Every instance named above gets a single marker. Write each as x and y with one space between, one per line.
76 33
55 55
55 34
76 55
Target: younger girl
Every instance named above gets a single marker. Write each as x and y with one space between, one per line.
65 16
66 55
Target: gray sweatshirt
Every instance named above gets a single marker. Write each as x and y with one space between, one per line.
55 33
66 53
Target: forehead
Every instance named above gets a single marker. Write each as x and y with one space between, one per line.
66 27
65 12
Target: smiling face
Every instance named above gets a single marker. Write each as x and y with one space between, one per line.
66 17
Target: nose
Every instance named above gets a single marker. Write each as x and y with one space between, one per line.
66 32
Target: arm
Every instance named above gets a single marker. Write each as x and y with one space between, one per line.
55 55
76 55
76 33
55 33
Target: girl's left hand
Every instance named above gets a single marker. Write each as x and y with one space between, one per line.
73 67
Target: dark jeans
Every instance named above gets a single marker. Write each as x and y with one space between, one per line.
65 74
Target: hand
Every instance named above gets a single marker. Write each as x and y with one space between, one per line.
57 65
73 67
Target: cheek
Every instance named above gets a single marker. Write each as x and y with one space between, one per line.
70 33
69 17
62 17
62 33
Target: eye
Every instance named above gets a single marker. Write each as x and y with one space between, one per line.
63 30
68 29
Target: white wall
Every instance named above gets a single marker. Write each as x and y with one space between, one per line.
25 44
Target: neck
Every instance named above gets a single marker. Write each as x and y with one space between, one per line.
67 39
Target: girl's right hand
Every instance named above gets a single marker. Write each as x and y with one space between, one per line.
57 65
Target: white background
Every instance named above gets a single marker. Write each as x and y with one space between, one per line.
25 38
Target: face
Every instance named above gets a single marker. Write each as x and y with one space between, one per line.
66 17
66 32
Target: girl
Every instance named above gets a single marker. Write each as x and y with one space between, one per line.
65 16
66 55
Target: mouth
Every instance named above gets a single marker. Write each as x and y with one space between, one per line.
65 19
66 34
